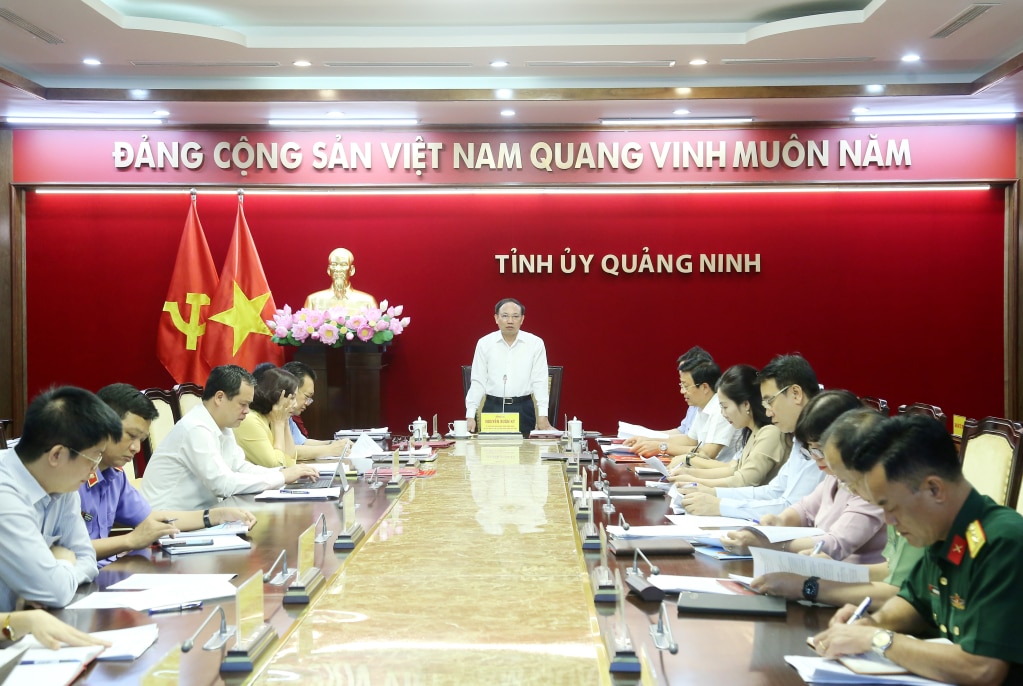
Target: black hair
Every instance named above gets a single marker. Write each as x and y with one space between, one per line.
268 390
300 370
693 353
227 378
125 399
846 433
703 370
822 410
911 448
791 370
68 416
739 384
503 301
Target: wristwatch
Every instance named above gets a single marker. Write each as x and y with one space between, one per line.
810 588
663 447
882 641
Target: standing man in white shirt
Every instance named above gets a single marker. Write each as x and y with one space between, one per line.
199 462
509 371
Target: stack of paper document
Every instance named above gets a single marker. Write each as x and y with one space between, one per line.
819 670
186 545
697 584
626 430
546 433
159 591
767 561
126 644
52 667
777 534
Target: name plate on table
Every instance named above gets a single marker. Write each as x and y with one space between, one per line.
254 634
309 577
499 423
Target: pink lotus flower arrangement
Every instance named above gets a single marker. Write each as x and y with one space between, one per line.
336 326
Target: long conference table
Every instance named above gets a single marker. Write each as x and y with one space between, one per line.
475 575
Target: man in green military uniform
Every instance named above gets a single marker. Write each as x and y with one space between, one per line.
968 588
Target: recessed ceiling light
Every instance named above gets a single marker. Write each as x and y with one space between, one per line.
507 113
139 92
499 64
302 63
335 113
503 93
874 88
91 61
698 62
860 110
911 57
681 111
161 113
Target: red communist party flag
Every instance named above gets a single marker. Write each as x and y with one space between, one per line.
183 322
237 332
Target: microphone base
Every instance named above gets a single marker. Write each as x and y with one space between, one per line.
218 639
603 585
661 639
323 537
620 650
638 584
300 592
349 538
244 655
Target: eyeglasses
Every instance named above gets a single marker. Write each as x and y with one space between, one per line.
811 453
767 402
685 387
510 317
94 460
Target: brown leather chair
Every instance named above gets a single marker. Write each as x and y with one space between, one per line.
187 396
989 453
877 404
925 410
4 424
554 376
167 406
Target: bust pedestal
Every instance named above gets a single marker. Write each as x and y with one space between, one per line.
347 387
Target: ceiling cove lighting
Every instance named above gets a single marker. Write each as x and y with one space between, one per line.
91 61
911 57
676 122
507 113
499 64
698 62
85 121
340 121
666 189
978 116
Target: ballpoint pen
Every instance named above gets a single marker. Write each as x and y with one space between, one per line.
817 548
175 608
860 611
292 492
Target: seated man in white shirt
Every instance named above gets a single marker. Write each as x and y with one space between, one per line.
45 551
692 412
711 439
199 462
787 384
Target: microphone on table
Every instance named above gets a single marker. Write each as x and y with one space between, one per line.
638 584
218 639
663 640
284 574
504 393
622 523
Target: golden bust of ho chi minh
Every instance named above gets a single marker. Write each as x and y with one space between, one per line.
341 270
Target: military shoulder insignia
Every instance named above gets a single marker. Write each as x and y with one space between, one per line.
975 537
93 480
956 550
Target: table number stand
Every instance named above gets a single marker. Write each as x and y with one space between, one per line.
310 579
255 635
619 644
351 531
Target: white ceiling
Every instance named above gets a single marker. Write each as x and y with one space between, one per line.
571 62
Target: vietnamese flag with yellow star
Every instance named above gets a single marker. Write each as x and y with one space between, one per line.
194 280
236 330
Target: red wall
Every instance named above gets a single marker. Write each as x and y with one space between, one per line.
893 294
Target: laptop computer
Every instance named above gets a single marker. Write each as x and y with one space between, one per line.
325 481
